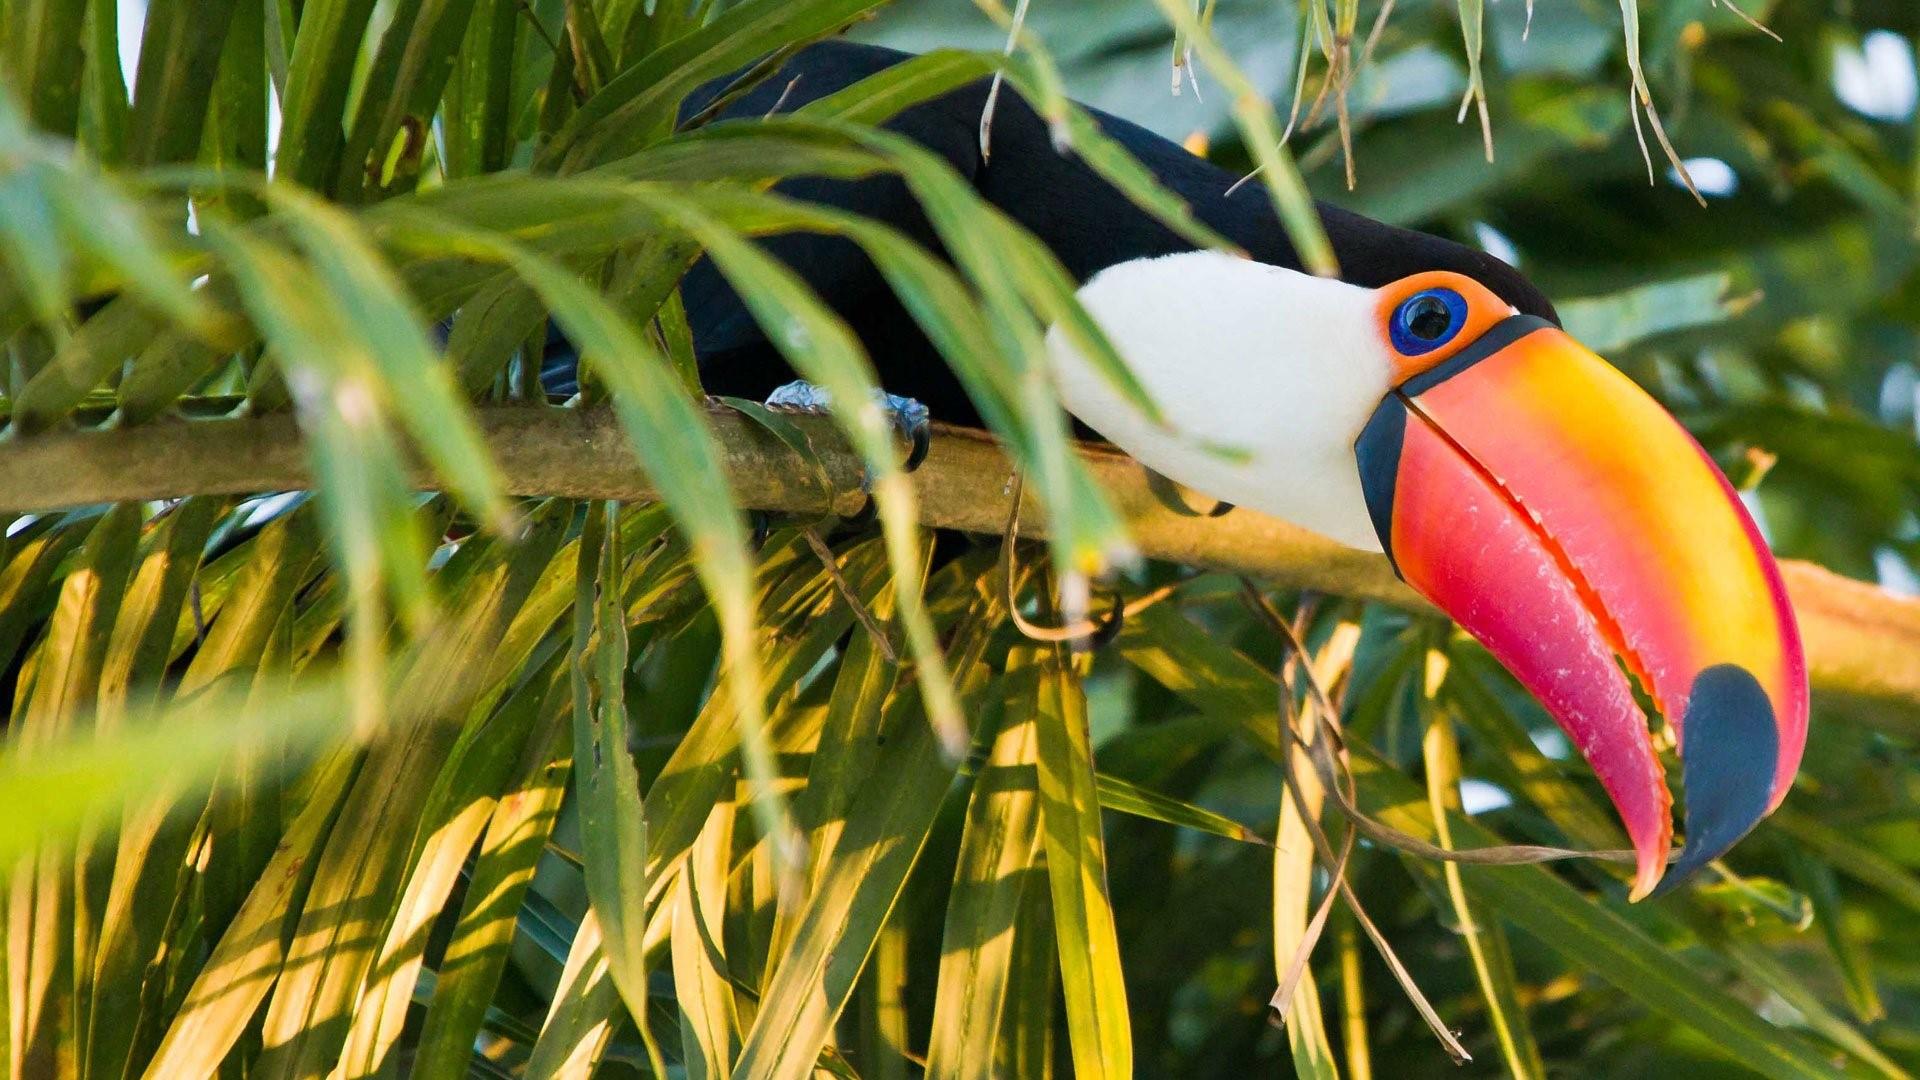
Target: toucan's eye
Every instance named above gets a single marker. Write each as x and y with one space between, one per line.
1427 320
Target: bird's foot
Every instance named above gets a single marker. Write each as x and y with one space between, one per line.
1174 498
909 417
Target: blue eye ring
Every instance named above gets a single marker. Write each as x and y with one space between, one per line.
1427 320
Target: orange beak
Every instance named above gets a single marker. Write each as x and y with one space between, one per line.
1560 515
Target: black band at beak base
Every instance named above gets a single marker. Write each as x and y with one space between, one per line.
1378 452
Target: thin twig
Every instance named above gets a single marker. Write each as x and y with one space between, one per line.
1673 156
1639 134
1380 24
1641 99
742 85
1299 86
1738 10
1282 999
1342 117
1322 754
1087 631
999 77
785 93
1441 1031
860 611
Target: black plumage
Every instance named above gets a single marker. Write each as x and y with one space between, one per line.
1086 222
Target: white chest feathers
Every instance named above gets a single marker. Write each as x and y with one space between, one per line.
1279 369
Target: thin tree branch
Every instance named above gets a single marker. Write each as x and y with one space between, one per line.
1862 642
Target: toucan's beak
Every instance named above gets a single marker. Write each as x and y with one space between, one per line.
1554 510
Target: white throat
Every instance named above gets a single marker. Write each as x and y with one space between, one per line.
1281 367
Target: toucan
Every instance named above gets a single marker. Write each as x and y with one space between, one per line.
1425 403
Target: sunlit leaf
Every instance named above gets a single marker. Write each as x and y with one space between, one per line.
1090 973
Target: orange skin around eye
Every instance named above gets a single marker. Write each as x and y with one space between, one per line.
1483 310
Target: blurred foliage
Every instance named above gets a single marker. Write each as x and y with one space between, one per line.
377 783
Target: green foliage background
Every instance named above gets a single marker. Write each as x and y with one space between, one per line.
377 783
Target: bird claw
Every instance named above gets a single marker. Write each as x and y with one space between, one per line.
1174 497
1110 626
762 523
909 417
800 396
919 432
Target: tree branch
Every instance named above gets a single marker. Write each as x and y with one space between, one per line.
1862 643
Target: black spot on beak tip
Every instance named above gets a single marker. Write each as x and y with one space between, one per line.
1732 749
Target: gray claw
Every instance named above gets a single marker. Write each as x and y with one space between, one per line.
909 417
914 421
800 396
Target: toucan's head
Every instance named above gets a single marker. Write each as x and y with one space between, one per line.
1526 487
